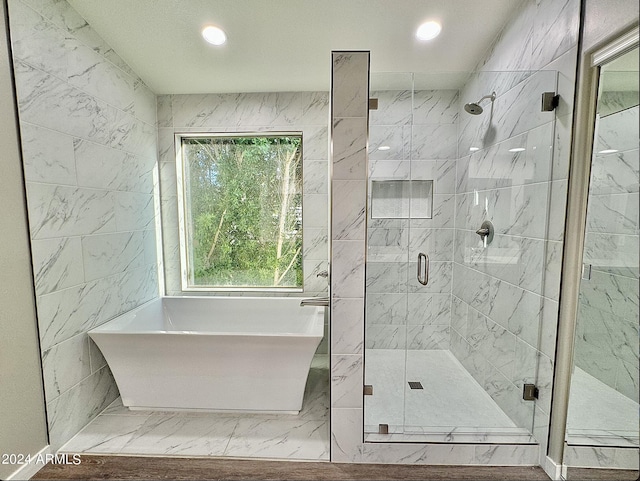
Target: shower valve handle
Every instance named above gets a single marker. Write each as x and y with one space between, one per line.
483 232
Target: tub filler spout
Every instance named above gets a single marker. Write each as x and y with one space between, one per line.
315 301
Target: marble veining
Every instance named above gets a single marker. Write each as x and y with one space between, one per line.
118 430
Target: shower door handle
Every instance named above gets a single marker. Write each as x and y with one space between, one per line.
423 269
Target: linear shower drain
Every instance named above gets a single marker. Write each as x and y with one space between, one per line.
415 385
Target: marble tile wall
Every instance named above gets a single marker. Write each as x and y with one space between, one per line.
401 313
89 149
505 296
349 132
306 112
607 327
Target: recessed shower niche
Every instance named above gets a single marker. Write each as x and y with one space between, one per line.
401 199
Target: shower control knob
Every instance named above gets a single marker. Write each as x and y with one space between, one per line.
486 232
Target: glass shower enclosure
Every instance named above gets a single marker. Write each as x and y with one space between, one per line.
452 319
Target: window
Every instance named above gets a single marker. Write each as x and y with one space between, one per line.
240 209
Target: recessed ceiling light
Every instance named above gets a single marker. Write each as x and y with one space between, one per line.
517 149
384 147
608 151
473 149
428 30
214 35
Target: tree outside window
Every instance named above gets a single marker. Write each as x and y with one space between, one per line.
242 211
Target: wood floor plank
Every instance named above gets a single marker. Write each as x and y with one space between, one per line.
138 468
584 474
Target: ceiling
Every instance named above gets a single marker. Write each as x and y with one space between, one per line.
285 45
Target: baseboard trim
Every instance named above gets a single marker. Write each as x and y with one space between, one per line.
553 469
27 471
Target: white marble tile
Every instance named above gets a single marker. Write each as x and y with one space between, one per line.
436 243
389 169
105 434
315 142
149 246
386 277
47 155
175 434
427 309
428 337
57 211
346 435
36 41
440 277
73 409
91 73
507 455
555 30
316 210
386 308
134 136
55 264
44 100
435 106
315 108
315 177
295 439
394 107
348 209
615 173
134 211
618 131
493 343
441 172
135 287
164 111
108 254
65 365
144 103
349 149
350 81
386 336
610 293
103 167
589 457
315 243
387 245
450 454
517 310
613 213
347 273
423 147
346 381
95 356
386 142
347 328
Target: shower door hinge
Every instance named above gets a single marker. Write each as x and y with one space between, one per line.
550 100
586 272
373 104
530 392
368 390
383 429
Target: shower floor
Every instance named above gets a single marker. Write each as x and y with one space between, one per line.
452 406
117 430
599 415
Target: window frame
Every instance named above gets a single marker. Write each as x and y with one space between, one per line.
183 217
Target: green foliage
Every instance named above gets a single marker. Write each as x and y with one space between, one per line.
245 210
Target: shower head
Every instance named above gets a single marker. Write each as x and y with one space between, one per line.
474 108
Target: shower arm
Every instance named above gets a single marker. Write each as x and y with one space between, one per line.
492 96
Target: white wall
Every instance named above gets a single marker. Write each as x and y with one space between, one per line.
23 426
89 149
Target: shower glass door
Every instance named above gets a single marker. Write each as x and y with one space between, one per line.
387 263
452 324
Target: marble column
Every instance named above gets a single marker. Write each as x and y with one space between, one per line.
349 136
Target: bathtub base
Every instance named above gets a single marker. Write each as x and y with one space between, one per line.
224 355
210 411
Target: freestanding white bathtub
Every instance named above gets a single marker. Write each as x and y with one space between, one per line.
213 353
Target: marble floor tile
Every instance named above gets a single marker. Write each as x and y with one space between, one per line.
295 439
600 415
451 404
119 430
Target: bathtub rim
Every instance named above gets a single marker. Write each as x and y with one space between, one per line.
316 325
